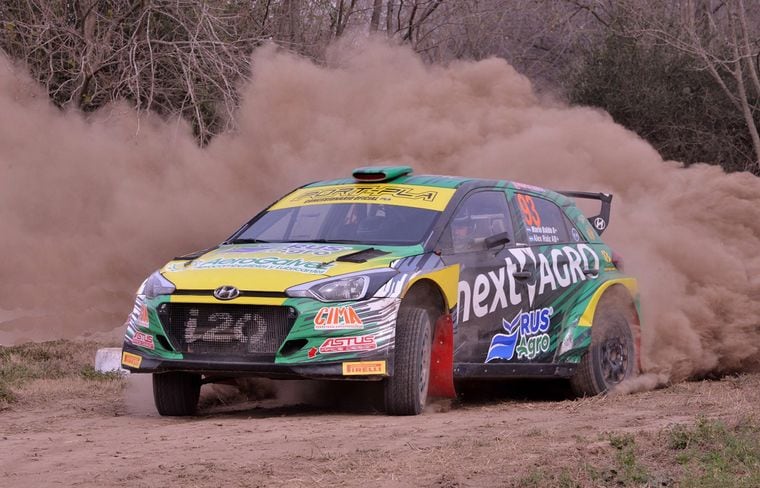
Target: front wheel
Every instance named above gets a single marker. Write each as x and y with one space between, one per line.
610 359
176 393
406 391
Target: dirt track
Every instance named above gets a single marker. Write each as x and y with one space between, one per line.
101 441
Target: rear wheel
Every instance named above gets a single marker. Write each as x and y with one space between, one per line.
176 393
610 359
406 391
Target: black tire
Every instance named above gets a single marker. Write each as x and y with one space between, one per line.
406 391
610 359
176 393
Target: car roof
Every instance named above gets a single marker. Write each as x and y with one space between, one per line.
455 182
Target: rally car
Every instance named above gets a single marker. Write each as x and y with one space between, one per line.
418 282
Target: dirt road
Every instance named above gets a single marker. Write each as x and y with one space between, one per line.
115 438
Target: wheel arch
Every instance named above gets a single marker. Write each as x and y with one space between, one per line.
437 293
427 294
437 289
617 292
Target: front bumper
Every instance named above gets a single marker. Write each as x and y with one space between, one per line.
136 360
297 338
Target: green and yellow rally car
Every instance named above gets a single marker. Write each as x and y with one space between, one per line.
415 281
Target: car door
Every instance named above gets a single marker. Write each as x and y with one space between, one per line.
558 263
483 281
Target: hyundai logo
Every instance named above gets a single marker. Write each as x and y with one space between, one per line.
226 292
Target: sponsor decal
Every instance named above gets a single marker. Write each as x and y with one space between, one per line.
526 335
142 318
524 186
575 235
608 259
131 360
542 234
248 328
337 318
296 248
336 345
499 289
567 342
270 262
430 197
537 233
143 340
374 192
364 367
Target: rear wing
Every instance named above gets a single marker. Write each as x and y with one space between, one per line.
600 221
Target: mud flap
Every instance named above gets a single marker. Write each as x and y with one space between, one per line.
442 359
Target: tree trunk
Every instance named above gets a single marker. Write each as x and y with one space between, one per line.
374 21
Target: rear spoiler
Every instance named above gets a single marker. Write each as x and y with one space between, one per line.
600 221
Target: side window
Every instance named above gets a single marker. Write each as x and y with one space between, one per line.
479 216
544 221
575 236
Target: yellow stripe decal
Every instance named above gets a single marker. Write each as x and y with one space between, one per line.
427 197
588 315
448 281
236 301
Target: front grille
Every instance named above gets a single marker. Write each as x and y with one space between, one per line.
226 330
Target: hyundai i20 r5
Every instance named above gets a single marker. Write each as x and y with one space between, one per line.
413 281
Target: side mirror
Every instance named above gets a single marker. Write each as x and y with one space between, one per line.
496 240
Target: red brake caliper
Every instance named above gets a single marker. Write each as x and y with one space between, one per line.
442 359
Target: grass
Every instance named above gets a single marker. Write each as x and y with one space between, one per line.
716 455
558 478
60 362
630 471
707 454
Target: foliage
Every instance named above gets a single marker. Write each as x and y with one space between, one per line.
55 360
684 75
715 455
659 94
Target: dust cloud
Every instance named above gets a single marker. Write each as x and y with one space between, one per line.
90 205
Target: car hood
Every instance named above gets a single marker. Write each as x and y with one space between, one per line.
274 267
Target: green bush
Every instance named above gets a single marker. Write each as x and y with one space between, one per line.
662 96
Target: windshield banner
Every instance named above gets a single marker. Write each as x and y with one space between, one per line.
426 197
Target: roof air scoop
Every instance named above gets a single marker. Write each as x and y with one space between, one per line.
376 174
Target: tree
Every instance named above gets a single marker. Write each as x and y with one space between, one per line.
181 57
722 39
657 92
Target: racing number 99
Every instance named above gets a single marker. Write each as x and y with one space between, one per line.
528 209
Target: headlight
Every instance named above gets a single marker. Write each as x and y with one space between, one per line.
353 286
344 289
156 285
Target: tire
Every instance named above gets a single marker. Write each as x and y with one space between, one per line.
610 359
176 393
406 391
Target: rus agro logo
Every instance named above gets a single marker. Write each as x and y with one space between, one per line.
526 335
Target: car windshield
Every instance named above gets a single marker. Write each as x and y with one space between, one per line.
361 223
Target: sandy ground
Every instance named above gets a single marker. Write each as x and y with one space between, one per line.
117 439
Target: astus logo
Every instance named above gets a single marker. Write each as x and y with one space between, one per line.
334 318
335 345
348 344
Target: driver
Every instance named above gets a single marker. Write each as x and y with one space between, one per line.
462 233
